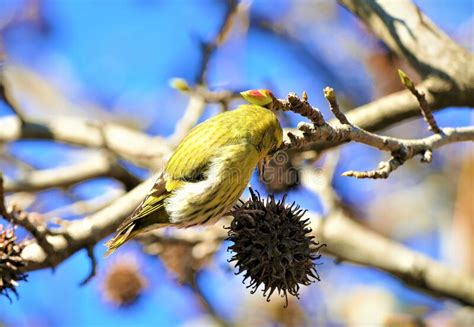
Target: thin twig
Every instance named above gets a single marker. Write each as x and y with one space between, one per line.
420 96
400 149
301 107
330 95
383 171
208 48
93 260
18 217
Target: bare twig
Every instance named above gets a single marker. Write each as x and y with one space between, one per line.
409 148
208 48
420 96
93 260
37 229
300 106
330 95
88 231
383 170
401 149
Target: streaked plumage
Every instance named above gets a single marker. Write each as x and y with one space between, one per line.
208 171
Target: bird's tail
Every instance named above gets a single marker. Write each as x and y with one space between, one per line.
148 215
120 238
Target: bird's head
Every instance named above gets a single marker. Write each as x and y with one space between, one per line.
258 97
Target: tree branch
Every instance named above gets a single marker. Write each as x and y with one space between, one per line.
420 97
349 241
127 143
346 240
344 131
96 166
84 207
81 234
445 65
413 36
407 149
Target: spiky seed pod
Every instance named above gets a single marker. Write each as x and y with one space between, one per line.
272 246
11 262
123 283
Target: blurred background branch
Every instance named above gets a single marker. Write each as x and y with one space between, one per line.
445 66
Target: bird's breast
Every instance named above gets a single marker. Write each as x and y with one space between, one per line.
226 179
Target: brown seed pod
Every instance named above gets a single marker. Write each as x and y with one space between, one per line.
273 246
279 174
123 283
11 262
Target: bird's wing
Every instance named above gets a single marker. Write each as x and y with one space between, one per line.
193 156
152 203
189 167
147 215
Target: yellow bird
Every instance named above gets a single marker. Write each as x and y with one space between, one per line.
209 169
